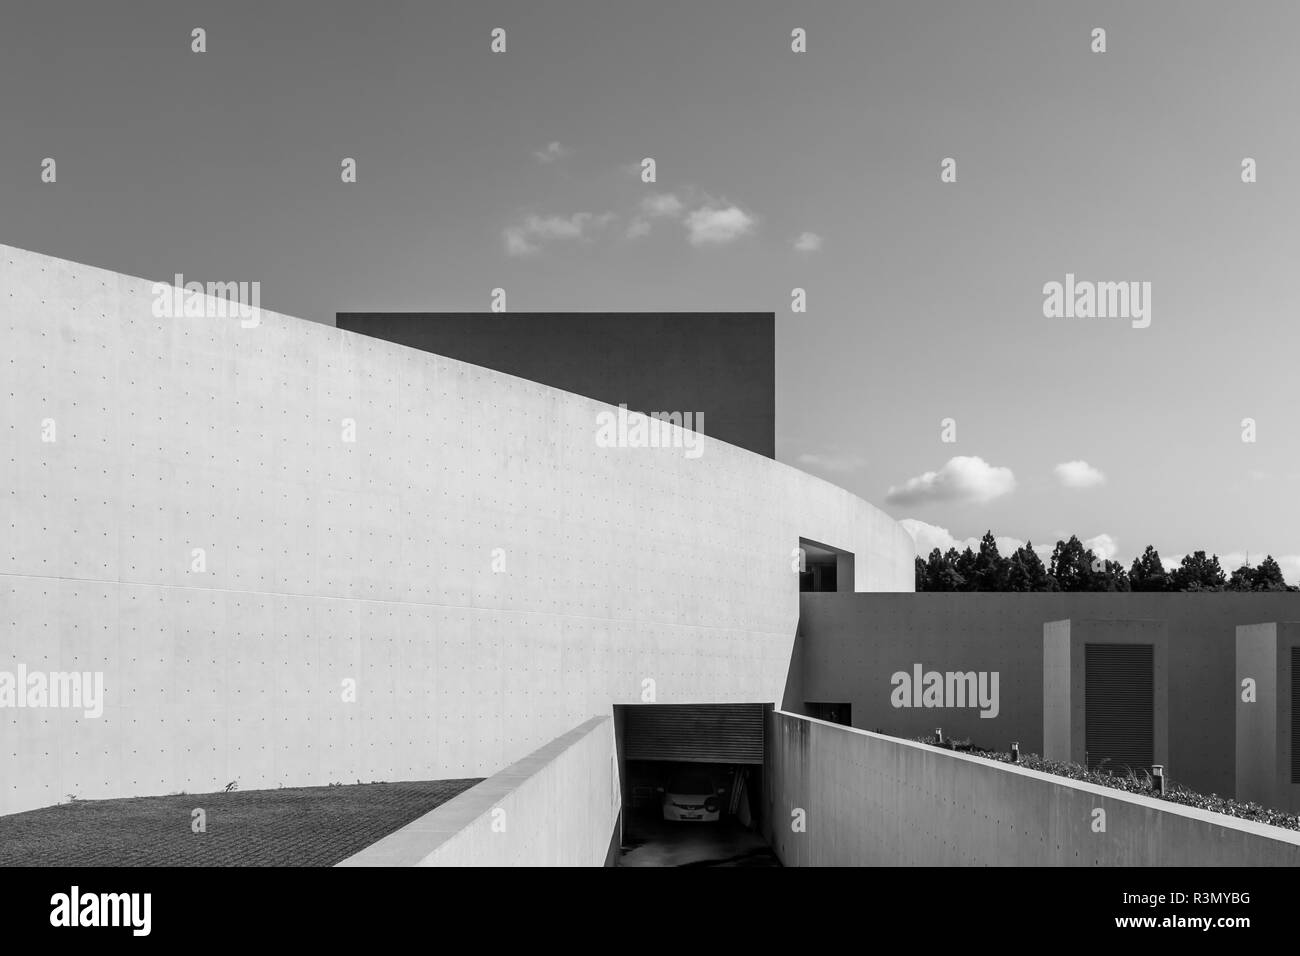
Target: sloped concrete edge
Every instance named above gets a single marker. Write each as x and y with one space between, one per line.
558 806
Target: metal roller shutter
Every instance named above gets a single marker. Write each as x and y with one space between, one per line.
1119 705
1295 714
703 733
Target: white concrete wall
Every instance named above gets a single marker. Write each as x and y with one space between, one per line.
870 800
558 806
370 561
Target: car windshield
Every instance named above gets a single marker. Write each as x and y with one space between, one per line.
692 783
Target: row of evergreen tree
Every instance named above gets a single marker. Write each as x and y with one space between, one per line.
1076 568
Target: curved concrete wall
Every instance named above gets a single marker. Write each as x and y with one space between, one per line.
370 561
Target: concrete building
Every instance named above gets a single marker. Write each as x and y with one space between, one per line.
247 548
300 555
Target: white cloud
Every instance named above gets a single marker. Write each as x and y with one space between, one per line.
662 204
833 461
1103 546
961 479
1078 474
929 536
638 227
808 242
525 238
550 153
715 224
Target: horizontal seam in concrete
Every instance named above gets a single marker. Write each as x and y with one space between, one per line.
1281 834
369 600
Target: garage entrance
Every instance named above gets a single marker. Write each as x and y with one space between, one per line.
692 777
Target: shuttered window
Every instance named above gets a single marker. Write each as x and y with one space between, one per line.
707 733
1119 705
1295 714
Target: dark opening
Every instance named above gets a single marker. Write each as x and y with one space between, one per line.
835 713
824 568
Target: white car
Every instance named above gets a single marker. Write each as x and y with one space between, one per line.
691 795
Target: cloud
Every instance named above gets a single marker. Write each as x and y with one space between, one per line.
638 227
930 536
808 242
1103 546
834 461
662 204
550 153
525 238
962 479
716 224
1078 474
655 206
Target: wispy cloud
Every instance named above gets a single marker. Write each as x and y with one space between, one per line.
834 461
963 479
1078 474
662 204
526 238
808 242
551 152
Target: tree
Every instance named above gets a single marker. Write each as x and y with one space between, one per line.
940 575
1268 576
964 564
990 569
1108 575
1025 572
921 583
1148 572
1199 573
1072 565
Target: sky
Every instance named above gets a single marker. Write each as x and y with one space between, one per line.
775 170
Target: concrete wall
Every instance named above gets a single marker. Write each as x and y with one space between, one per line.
850 644
1065 697
868 800
1264 736
718 364
370 561
559 806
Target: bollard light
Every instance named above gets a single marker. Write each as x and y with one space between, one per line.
1015 751
938 735
1158 778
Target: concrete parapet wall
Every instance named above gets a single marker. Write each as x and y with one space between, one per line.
558 806
870 800
851 644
